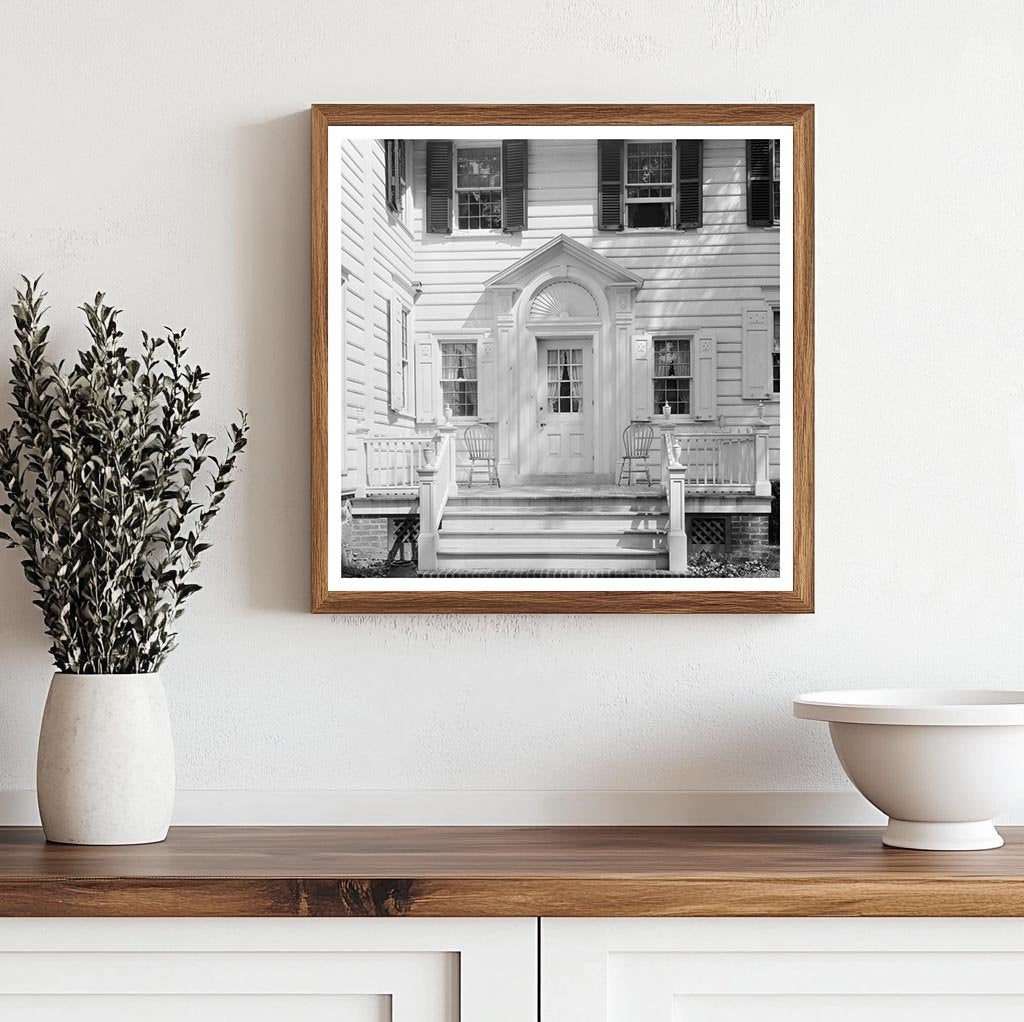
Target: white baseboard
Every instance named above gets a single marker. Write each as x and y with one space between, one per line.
503 808
496 808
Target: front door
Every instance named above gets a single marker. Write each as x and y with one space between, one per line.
565 403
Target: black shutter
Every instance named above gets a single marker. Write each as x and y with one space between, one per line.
760 192
391 174
609 179
439 187
690 184
513 185
401 178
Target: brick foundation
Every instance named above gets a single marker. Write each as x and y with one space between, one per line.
368 537
749 535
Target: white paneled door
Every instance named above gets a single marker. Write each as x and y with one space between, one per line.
565 406
782 970
257 970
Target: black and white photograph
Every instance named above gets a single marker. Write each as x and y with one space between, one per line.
565 356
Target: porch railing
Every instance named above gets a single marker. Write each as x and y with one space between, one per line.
731 460
393 464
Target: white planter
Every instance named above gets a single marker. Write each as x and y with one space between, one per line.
105 770
940 764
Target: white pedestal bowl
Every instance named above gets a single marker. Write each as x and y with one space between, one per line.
939 763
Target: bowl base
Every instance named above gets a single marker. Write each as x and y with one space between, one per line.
942 837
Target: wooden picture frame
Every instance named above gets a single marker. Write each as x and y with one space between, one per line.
548 597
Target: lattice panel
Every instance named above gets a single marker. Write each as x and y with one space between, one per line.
708 531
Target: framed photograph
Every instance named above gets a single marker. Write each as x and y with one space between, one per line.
562 359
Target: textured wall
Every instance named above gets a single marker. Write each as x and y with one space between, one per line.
160 151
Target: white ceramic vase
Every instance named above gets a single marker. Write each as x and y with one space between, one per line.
105 769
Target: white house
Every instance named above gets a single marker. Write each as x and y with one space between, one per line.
559 292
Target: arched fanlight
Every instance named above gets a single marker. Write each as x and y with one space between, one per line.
564 300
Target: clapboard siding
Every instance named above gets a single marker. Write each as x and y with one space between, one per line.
375 252
694 280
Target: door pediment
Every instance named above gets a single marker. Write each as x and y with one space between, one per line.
556 256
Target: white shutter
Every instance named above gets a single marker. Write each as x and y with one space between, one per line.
395 396
705 375
757 352
641 395
487 380
428 386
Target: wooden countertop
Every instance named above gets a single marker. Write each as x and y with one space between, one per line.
507 871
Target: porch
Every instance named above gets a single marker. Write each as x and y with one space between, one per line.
725 467
702 482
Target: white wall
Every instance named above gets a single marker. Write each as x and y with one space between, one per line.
160 151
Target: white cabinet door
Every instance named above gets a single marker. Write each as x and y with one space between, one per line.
251 970
781 970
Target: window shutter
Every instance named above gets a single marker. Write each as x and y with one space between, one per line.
487 381
705 376
690 185
439 187
642 395
757 352
513 185
760 192
391 174
609 192
427 384
395 402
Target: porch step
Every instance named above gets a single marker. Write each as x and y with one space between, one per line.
581 559
552 530
526 520
561 540
520 504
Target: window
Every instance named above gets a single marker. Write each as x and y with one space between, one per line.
404 321
459 378
776 353
478 187
565 379
397 315
672 375
650 198
395 174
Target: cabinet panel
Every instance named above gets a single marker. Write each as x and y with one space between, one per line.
797 970
342 970
176 1007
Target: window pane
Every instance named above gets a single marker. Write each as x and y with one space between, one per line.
649 163
672 374
650 214
478 167
671 357
649 192
458 377
460 396
565 380
479 211
675 392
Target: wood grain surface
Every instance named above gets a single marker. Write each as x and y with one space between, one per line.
800 599
515 871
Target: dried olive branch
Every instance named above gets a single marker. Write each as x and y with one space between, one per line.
108 494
